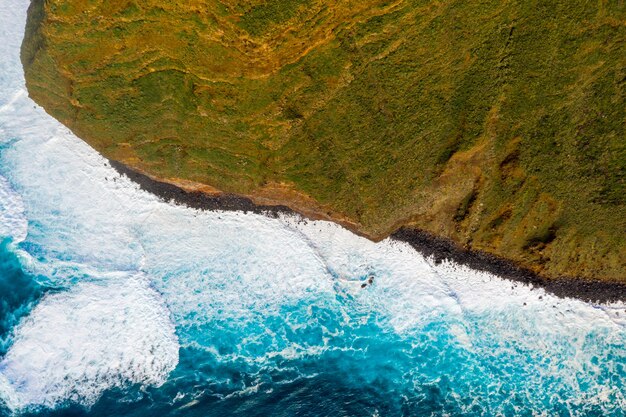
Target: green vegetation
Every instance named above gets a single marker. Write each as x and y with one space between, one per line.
264 16
500 124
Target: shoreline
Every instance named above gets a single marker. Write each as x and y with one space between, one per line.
423 242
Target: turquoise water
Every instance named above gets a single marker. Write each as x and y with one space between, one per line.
115 303
327 355
18 293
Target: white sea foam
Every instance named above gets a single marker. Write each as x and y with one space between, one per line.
411 289
13 223
76 344
12 20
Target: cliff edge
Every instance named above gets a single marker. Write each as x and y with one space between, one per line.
499 125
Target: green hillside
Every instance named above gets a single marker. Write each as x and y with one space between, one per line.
498 124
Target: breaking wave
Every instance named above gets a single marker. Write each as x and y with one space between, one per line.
78 343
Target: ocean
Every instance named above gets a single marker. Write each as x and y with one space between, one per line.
115 303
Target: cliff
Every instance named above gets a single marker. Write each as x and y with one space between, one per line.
497 124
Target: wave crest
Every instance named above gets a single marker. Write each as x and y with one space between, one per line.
77 344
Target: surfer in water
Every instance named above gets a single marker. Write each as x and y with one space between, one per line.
370 281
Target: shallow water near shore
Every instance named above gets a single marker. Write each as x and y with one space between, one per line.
116 303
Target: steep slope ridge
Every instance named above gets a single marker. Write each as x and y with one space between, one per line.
498 124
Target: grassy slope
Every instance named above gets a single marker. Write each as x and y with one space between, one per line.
500 124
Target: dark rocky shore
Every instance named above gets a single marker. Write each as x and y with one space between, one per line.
441 249
425 243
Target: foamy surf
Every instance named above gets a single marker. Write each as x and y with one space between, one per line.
76 344
13 223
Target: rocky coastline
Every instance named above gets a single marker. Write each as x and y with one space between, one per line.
429 245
